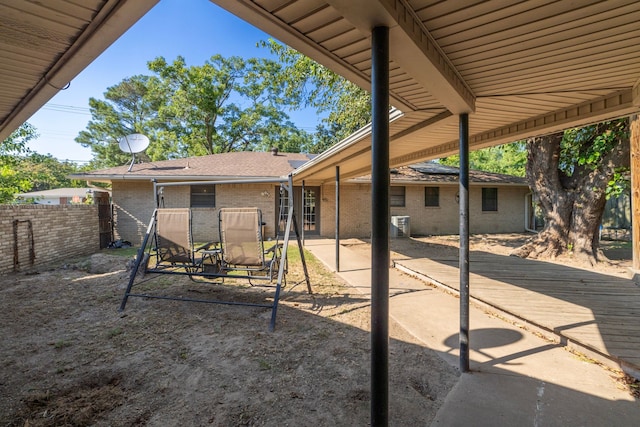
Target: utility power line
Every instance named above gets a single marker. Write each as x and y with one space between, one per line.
67 109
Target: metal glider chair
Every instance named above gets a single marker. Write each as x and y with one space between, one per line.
243 247
168 246
174 242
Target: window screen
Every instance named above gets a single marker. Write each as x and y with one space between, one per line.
396 196
203 196
489 199
432 196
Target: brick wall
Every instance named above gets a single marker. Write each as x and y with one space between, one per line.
355 211
60 232
133 206
132 209
509 218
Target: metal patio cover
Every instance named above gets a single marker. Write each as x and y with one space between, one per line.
518 68
45 44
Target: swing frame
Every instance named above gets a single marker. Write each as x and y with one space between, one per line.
143 254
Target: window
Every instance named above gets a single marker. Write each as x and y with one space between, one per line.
432 196
489 199
396 196
203 196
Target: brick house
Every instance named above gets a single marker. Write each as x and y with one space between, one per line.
425 193
57 196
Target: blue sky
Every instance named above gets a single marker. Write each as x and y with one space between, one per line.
195 29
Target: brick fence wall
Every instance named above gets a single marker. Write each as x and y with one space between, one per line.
46 234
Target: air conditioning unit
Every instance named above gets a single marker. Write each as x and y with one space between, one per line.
400 226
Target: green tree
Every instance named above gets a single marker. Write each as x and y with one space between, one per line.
12 150
569 173
227 104
129 107
305 83
45 172
510 159
23 171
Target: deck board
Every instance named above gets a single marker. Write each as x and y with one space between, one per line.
598 311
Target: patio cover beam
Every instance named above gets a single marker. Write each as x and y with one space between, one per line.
412 47
614 105
320 162
254 14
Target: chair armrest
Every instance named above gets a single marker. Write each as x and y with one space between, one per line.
273 248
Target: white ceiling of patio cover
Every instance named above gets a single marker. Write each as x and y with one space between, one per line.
519 68
45 44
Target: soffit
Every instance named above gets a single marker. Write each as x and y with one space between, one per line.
519 69
45 44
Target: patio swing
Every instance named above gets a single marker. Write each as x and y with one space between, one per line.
241 253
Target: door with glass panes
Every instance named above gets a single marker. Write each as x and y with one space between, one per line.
306 209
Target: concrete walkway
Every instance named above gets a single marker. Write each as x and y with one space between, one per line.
516 378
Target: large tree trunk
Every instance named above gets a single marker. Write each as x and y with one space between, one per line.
572 205
545 181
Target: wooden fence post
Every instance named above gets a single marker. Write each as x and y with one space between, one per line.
635 191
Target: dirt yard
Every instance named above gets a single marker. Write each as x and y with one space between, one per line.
69 358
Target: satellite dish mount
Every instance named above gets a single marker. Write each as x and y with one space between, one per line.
133 143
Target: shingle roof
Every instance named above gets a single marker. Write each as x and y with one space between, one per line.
251 164
241 164
431 172
441 173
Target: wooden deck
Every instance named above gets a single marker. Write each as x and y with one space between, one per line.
590 310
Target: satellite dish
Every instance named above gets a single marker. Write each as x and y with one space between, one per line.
133 143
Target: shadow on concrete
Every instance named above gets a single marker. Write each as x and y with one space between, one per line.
597 311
